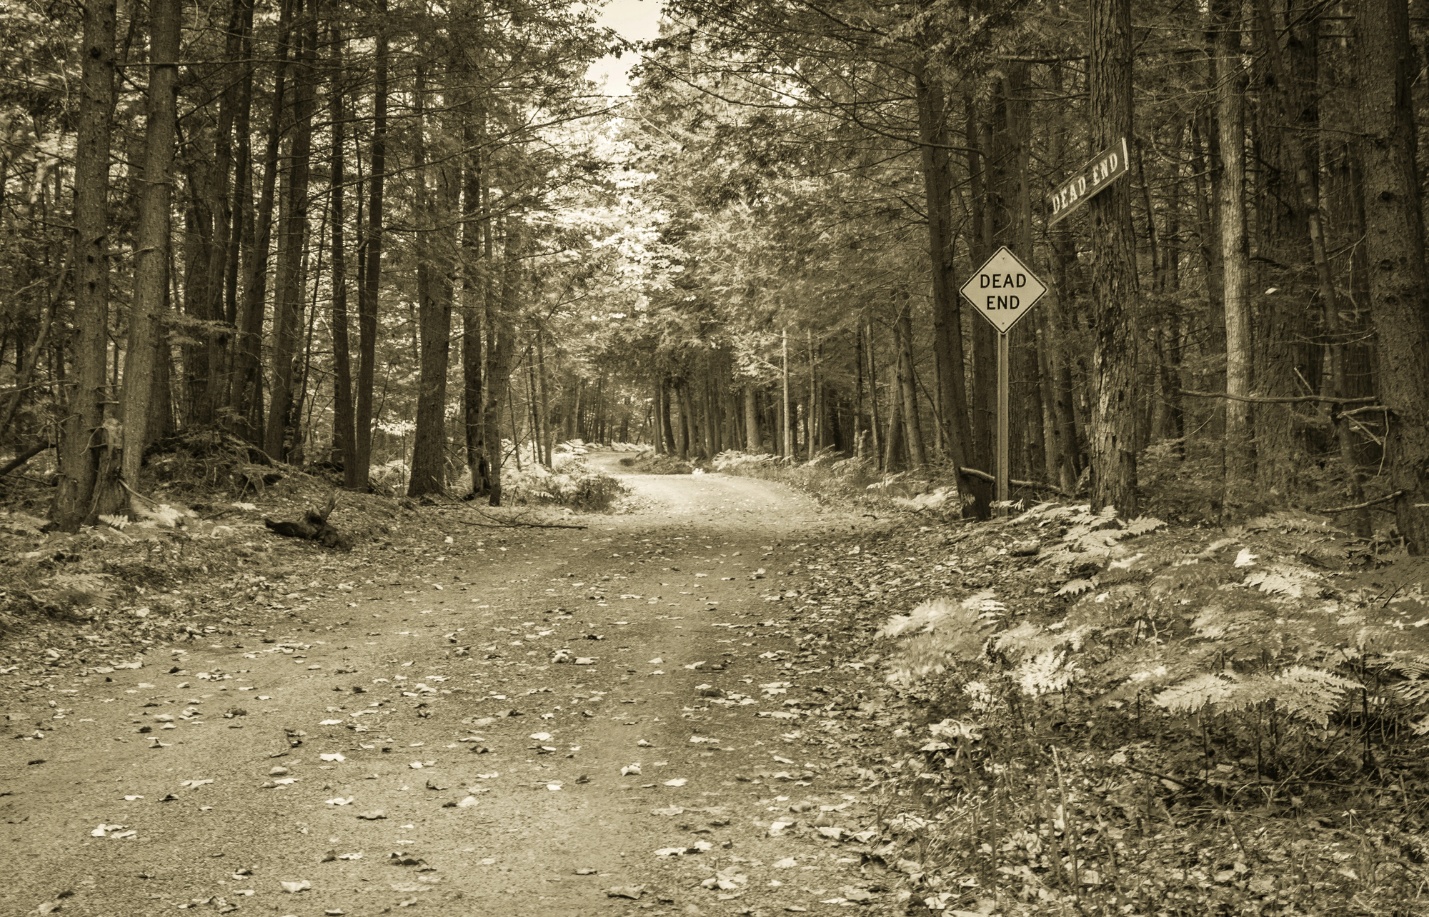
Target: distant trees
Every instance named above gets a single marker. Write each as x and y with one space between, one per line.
1244 301
281 228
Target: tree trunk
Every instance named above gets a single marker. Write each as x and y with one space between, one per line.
1239 468
666 433
1113 439
543 400
753 441
1399 283
948 364
370 263
908 390
292 243
436 278
893 451
344 437
83 490
151 241
786 421
500 329
246 397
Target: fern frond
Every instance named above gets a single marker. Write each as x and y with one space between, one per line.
1283 580
1077 587
1289 523
1311 694
1196 693
1046 673
935 614
1143 525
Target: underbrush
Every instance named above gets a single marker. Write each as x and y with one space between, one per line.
575 485
837 479
1120 717
650 462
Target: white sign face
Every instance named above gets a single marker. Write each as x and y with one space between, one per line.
1003 290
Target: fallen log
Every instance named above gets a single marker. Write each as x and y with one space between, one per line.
314 526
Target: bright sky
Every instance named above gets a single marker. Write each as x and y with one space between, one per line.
636 20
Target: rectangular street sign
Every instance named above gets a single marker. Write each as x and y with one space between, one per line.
1093 177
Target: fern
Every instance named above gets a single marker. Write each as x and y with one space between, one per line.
1196 693
1287 581
1288 523
1143 525
1046 673
1077 586
937 614
1306 693
1310 694
942 631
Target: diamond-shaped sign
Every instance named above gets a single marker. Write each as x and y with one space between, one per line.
1003 290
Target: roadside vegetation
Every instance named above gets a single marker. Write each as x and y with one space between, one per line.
1106 716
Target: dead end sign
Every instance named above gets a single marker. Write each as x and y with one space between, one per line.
1003 289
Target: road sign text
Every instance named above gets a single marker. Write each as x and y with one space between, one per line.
1003 289
1093 177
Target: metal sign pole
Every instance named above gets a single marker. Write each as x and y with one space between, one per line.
1004 449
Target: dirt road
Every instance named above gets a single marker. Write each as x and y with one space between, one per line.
548 722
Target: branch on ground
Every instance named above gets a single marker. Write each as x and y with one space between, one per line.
313 527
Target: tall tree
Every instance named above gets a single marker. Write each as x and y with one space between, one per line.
344 436
1394 234
370 261
151 269
83 490
1113 437
1235 251
288 297
438 197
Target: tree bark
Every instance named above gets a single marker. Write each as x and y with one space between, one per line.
948 363
292 244
370 263
344 441
501 332
1114 285
1239 469
908 390
753 440
438 197
82 493
246 397
1399 282
151 241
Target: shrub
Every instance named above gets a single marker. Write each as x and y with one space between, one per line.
576 485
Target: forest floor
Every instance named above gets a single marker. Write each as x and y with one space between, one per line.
459 717
725 697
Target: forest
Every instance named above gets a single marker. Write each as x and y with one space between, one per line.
387 274
377 233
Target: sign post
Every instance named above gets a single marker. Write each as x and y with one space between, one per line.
1002 291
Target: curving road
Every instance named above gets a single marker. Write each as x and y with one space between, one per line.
450 739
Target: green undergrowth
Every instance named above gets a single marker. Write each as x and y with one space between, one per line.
1109 716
